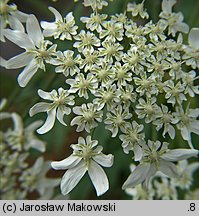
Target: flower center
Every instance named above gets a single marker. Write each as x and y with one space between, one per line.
84 84
88 116
119 120
120 74
69 62
133 136
108 96
86 153
102 74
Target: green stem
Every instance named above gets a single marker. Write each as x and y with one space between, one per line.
12 97
92 133
154 133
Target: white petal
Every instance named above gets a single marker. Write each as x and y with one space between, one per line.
167 5
171 131
32 127
48 123
77 110
104 160
45 95
37 144
39 107
81 141
185 133
49 32
137 176
180 154
34 30
194 112
4 115
58 16
69 17
150 173
15 24
72 177
67 163
137 153
182 27
76 120
60 116
194 126
3 103
48 183
28 72
38 165
19 38
168 168
20 15
98 178
194 38
18 123
48 25
20 60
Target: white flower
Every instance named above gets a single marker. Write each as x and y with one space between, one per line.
139 192
191 51
95 4
94 22
23 138
123 74
90 60
36 51
66 63
132 139
146 85
105 74
111 50
82 85
134 59
166 189
88 118
186 171
174 92
188 122
113 31
157 157
165 118
10 16
147 109
86 41
127 95
58 108
116 119
174 21
34 178
83 159
106 96
188 80
63 28
137 9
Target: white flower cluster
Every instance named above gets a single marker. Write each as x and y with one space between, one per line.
18 177
161 187
122 74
